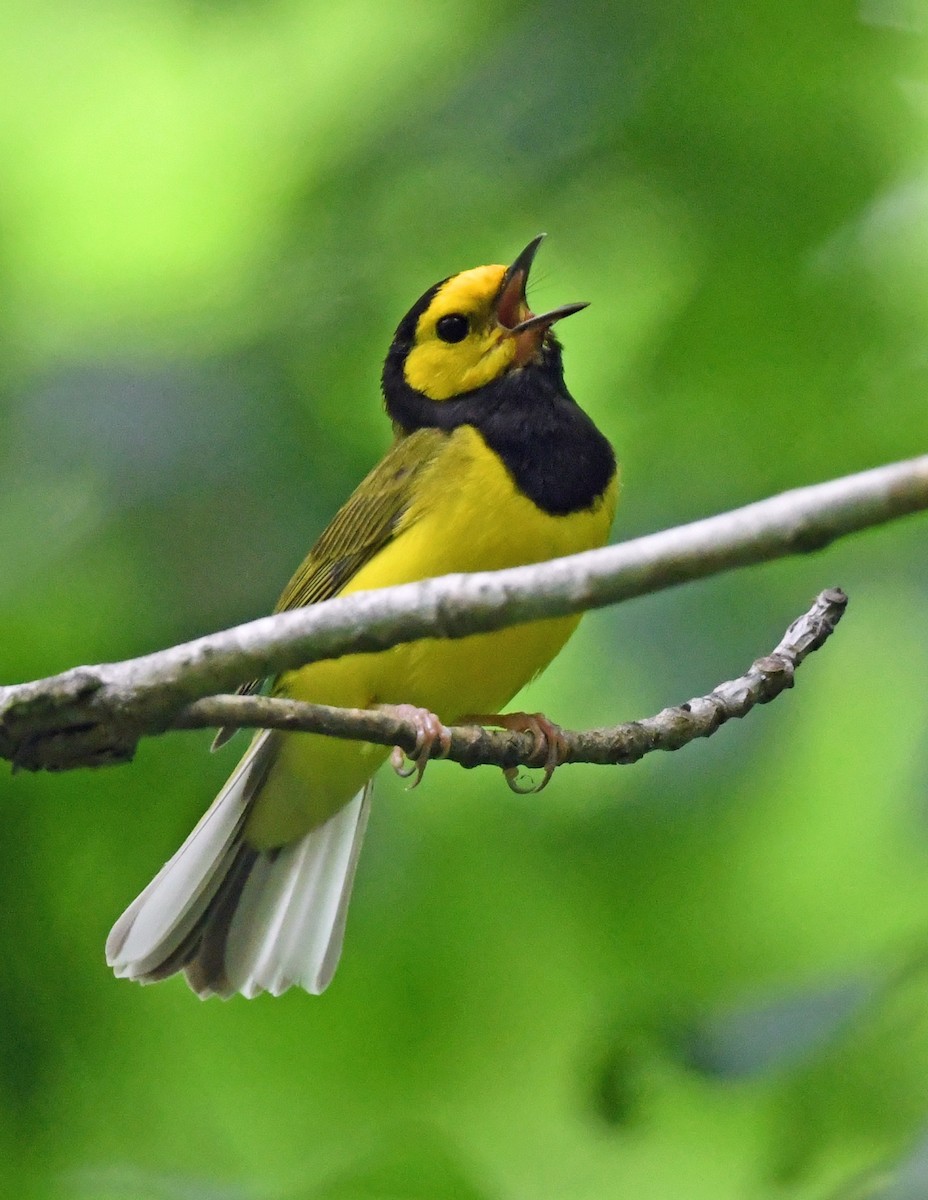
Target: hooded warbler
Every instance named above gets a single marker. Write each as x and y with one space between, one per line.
493 465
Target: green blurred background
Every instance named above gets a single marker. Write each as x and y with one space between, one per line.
703 976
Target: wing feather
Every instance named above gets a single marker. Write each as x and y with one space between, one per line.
364 524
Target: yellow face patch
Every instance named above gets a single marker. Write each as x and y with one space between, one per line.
442 369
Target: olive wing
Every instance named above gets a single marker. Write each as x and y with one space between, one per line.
364 524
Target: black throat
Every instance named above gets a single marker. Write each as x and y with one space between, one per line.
552 450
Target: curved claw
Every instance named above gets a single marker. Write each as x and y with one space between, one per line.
551 747
511 775
430 732
398 763
550 768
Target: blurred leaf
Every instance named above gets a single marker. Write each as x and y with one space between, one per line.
775 1033
416 1168
905 1180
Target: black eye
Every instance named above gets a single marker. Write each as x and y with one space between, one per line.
453 328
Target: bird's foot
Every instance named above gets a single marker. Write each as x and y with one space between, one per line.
551 748
433 740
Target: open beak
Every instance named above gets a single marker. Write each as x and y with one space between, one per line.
514 314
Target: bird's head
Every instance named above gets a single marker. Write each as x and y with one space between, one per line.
468 332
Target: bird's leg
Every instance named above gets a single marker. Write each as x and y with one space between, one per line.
551 748
433 740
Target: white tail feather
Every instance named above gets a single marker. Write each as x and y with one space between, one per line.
157 921
290 921
240 920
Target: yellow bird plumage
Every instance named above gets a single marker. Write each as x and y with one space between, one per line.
493 465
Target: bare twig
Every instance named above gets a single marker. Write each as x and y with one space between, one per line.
96 714
472 745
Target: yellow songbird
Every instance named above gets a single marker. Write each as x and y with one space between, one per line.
493 465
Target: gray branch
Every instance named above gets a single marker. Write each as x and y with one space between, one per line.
94 715
473 745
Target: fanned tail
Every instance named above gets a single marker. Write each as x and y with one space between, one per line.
237 919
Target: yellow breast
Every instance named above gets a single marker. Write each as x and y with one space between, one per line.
467 515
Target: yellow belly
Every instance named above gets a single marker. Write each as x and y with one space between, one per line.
467 516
